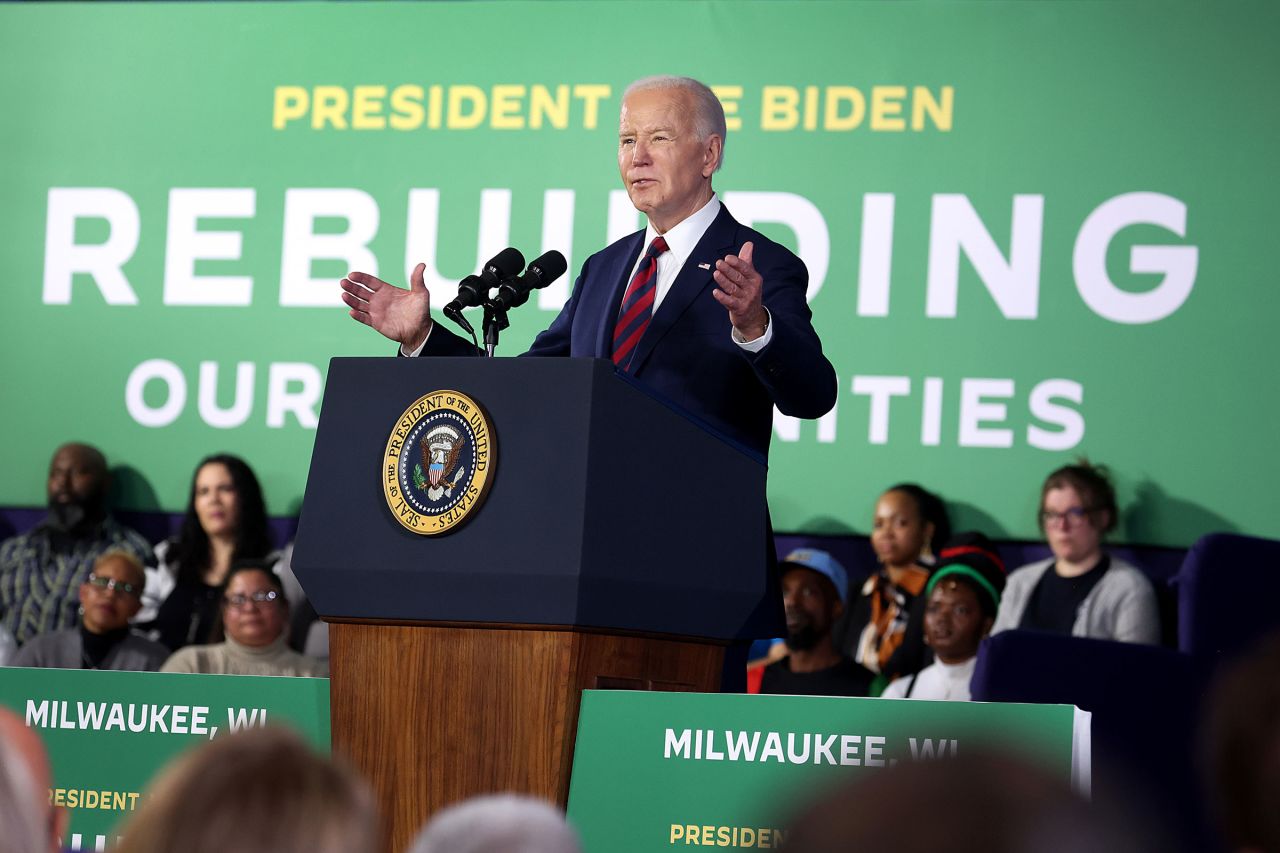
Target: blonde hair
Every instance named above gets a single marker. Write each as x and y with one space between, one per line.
129 559
257 791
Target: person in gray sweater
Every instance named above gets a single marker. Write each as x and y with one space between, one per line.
1081 590
109 598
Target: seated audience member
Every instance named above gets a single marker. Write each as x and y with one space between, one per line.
226 520
41 570
884 627
8 646
510 823
961 601
109 598
1243 740
255 616
814 587
1080 590
255 791
29 822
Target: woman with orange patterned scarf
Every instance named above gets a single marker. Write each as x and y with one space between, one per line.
884 630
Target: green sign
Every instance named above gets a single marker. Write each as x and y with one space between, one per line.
652 771
108 733
1033 230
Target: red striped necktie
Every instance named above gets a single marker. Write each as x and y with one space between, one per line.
637 306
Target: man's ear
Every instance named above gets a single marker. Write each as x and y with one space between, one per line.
711 155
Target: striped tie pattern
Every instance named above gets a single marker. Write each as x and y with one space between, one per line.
637 306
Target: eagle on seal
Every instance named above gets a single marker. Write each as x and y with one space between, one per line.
441 448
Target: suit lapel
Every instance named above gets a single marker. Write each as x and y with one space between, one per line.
617 273
690 283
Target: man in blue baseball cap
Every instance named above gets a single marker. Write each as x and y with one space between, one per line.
814 590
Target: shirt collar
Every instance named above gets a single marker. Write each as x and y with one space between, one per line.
684 237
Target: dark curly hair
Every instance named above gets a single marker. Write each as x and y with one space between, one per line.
189 550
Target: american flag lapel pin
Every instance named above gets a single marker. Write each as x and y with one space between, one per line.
704 266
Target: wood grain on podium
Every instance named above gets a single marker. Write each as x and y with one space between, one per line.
433 714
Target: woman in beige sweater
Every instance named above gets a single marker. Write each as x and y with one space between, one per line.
255 616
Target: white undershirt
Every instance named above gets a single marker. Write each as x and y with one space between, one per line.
681 241
941 682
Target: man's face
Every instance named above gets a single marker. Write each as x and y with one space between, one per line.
811 607
77 484
665 167
953 621
109 609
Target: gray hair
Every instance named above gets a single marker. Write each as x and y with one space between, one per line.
708 112
498 823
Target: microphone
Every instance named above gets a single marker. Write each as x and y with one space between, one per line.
514 292
474 289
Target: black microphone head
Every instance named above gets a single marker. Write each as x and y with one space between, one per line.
549 267
505 264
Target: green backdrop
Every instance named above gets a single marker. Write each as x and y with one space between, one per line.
1035 230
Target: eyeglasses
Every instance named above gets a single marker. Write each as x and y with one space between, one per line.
1070 518
239 601
122 587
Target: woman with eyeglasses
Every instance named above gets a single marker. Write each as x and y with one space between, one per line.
108 599
255 619
1081 590
226 520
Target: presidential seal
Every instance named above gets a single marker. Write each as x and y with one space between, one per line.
439 462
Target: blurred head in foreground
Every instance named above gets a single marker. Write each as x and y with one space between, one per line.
501 823
27 820
1244 750
257 791
980 802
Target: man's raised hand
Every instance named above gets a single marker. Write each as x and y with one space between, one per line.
402 315
740 291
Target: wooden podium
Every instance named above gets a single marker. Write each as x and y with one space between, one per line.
621 545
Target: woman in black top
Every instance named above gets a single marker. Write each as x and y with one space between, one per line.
226 520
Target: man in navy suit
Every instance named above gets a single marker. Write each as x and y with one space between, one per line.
715 317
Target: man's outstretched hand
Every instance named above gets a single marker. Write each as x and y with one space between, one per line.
740 291
402 315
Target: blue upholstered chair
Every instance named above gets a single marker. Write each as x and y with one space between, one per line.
1146 703
1227 590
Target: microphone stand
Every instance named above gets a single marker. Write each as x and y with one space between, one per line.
495 320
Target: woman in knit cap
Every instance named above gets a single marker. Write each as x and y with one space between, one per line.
962 597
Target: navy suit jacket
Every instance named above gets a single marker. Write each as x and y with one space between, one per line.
687 355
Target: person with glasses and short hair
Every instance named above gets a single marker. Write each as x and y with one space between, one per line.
109 598
255 622
1081 590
